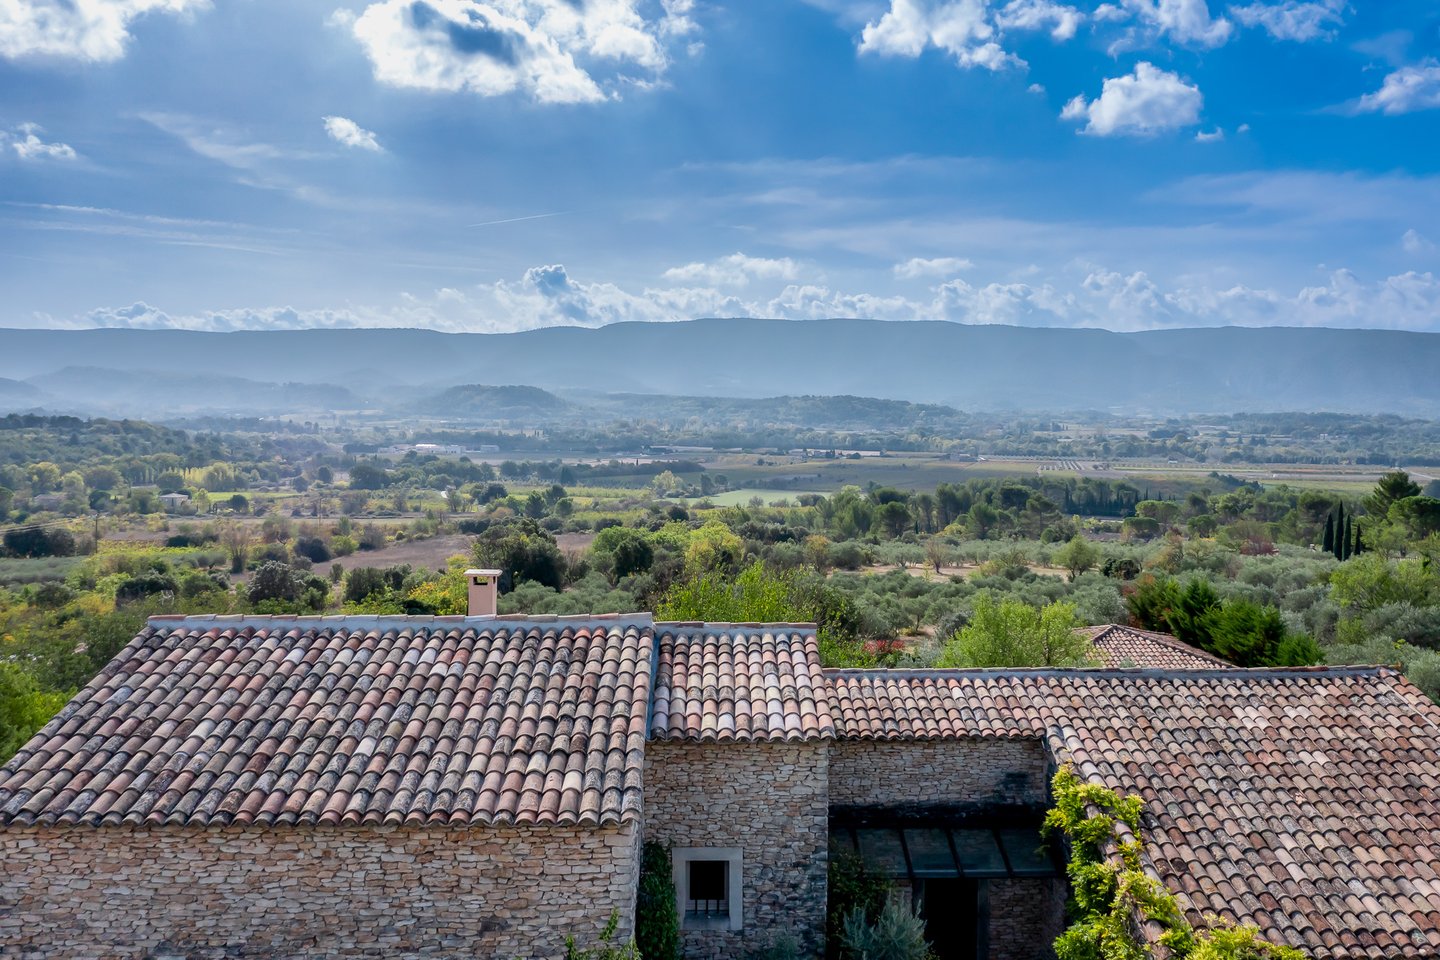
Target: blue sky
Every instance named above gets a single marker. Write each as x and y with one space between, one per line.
511 164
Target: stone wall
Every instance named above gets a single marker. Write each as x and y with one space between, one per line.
978 772
770 800
1026 915
303 892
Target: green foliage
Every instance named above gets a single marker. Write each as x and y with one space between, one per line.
781 947
280 588
898 933
852 887
24 708
1076 556
657 925
1112 893
605 948
755 596
522 551
1370 581
1012 633
1245 633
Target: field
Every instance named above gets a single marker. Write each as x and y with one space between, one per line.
733 498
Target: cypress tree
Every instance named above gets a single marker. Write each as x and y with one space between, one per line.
1328 544
1345 545
1359 543
1339 549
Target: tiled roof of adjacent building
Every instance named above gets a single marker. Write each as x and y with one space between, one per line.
349 720
1300 800
1121 646
724 682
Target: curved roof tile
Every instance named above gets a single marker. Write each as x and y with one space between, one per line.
275 721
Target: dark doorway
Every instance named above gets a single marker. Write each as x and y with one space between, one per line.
951 910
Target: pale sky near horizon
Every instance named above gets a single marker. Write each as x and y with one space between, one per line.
511 164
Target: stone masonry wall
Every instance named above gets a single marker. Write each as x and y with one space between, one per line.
292 892
770 800
912 773
1026 915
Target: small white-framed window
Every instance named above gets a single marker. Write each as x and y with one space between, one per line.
707 887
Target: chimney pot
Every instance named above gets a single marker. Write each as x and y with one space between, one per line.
483 589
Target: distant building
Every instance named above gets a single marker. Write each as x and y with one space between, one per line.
172 502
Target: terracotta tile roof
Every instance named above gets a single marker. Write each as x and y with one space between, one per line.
723 682
1300 800
349 720
1121 646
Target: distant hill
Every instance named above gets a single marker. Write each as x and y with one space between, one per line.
151 393
970 367
18 395
479 402
819 413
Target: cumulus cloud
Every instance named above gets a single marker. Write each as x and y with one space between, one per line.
91 30
1187 22
1060 20
142 316
1405 91
1146 102
1415 242
968 30
26 143
1093 296
1209 136
917 267
1298 20
553 51
735 270
349 133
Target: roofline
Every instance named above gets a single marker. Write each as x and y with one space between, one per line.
640 621
721 625
1217 673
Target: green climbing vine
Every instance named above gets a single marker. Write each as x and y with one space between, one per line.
1111 890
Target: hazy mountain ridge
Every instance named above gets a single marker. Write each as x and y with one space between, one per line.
483 402
969 367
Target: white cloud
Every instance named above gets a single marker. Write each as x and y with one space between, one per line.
961 28
735 270
93 30
547 296
968 30
1142 103
1062 21
1183 21
1036 88
917 267
349 133
1405 91
27 144
1298 20
554 51
142 316
1209 136
1415 242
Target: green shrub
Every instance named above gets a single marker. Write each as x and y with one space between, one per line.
852 885
605 949
897 934
657 925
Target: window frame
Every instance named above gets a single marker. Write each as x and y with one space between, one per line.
680 860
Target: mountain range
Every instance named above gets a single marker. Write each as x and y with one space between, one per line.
1178 371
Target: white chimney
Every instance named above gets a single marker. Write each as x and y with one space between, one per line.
483 589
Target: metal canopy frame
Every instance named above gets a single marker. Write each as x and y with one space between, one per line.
1007 841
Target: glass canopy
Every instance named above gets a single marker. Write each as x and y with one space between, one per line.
937 851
